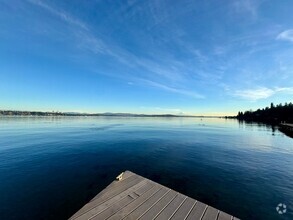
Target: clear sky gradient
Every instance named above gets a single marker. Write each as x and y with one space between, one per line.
155 56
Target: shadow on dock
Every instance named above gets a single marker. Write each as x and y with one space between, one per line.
287 129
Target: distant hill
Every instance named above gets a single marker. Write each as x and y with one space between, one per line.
39 113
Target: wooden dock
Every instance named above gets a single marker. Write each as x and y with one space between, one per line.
134 197
287 126
287 129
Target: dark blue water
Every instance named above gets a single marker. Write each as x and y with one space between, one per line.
50 167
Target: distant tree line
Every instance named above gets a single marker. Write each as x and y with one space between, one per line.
273 114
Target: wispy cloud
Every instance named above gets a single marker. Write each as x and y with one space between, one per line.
85 37
160 68
199 55
254 94
59 13
286 35
247 6
261 93
174 90
288 90
164 68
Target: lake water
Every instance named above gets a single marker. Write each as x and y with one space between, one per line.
50 167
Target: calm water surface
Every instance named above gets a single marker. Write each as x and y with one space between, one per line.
50 167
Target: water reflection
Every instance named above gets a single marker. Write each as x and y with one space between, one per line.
261 126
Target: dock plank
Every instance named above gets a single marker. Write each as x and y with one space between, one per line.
197 211
96 209
159 207
135 204
184 209
116 188
147 204
114 208
211 213
119 187
135 197
170 209
98 204
111 210
224 216
115 184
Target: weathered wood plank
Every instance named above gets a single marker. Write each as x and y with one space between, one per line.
184 209
115 184
114 208
99 205
147 204
172 207
224 216
159 207
210 214
118 186
142 190
108 192
136 203
111 210
197 211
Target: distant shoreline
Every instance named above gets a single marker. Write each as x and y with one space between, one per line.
73 114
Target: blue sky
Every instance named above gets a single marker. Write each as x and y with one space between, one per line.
157 56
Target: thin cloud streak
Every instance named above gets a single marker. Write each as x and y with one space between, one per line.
174 90
288 90
61 14
89 42
81 31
